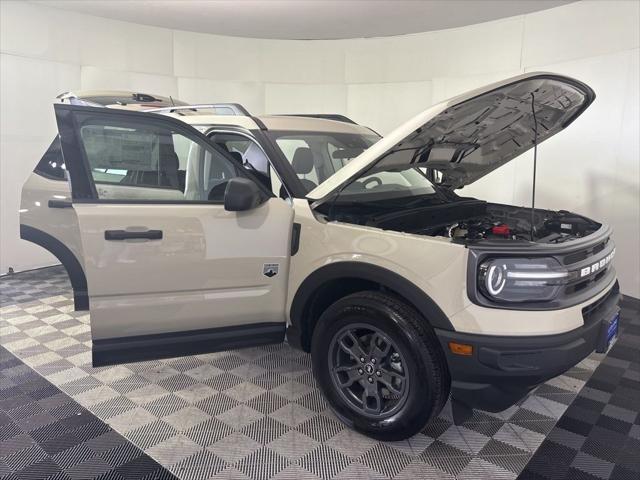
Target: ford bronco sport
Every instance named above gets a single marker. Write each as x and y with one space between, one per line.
357 249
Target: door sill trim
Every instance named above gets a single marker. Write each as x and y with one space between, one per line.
112 351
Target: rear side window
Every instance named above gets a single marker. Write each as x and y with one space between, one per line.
51 164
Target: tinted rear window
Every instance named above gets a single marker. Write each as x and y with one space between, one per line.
51 164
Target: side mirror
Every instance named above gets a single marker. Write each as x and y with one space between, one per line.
242 194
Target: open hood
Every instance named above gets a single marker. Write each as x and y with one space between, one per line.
469 136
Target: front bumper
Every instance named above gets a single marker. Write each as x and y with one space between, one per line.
503 369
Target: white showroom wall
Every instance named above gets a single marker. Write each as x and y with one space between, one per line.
592 168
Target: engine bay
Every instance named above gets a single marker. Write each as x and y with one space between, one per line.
468 220
501 222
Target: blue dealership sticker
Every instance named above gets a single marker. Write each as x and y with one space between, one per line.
608 333
612 331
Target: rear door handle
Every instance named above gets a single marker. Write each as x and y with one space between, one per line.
126 234
60 204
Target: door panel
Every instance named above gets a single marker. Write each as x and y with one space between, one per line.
169 270
205 272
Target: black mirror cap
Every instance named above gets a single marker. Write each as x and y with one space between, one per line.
242 194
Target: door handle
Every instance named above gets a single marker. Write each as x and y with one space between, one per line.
126 234
60 204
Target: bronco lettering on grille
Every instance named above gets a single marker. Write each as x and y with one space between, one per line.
594 267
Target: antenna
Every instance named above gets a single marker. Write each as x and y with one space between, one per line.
535 162
172 102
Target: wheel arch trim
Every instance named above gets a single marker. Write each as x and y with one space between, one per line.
311 285
66 258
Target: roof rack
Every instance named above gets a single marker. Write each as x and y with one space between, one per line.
227 108
100 98
73 99
327 116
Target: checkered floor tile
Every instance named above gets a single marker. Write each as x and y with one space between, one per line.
257 413
598 437
46 435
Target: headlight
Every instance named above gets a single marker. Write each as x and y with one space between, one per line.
521 279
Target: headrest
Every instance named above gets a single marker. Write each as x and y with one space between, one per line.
302 162
236 155
169 161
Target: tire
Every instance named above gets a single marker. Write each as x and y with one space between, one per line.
388 396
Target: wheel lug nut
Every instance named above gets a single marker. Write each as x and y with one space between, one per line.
360 371
378 373
373 360
362 359
370 380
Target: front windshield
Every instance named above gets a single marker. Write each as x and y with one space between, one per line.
315 156
388 185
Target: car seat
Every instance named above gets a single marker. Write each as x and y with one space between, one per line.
302 164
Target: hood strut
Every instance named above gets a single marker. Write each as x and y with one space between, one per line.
535 162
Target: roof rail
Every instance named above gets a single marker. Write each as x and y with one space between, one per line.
106 98
229 108
73 99
327 116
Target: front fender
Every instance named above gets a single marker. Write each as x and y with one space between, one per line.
299 333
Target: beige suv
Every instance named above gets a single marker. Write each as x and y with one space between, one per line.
188 233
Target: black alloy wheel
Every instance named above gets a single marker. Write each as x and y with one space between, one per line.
380 365
368 370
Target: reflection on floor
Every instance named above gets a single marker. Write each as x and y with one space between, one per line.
256 413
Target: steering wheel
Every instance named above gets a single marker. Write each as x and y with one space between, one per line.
371 179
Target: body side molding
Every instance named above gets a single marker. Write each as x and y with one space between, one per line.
67 259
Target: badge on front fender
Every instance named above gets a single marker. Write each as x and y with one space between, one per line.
270 269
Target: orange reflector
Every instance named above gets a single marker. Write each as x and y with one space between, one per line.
461 349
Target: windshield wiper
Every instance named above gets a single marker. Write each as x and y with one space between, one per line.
369 204
429 199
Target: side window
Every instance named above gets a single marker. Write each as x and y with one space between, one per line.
249 153
51 164
244 149
145 162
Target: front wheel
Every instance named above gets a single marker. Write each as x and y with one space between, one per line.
379 365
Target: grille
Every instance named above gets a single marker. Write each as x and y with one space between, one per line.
581 255
592 259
